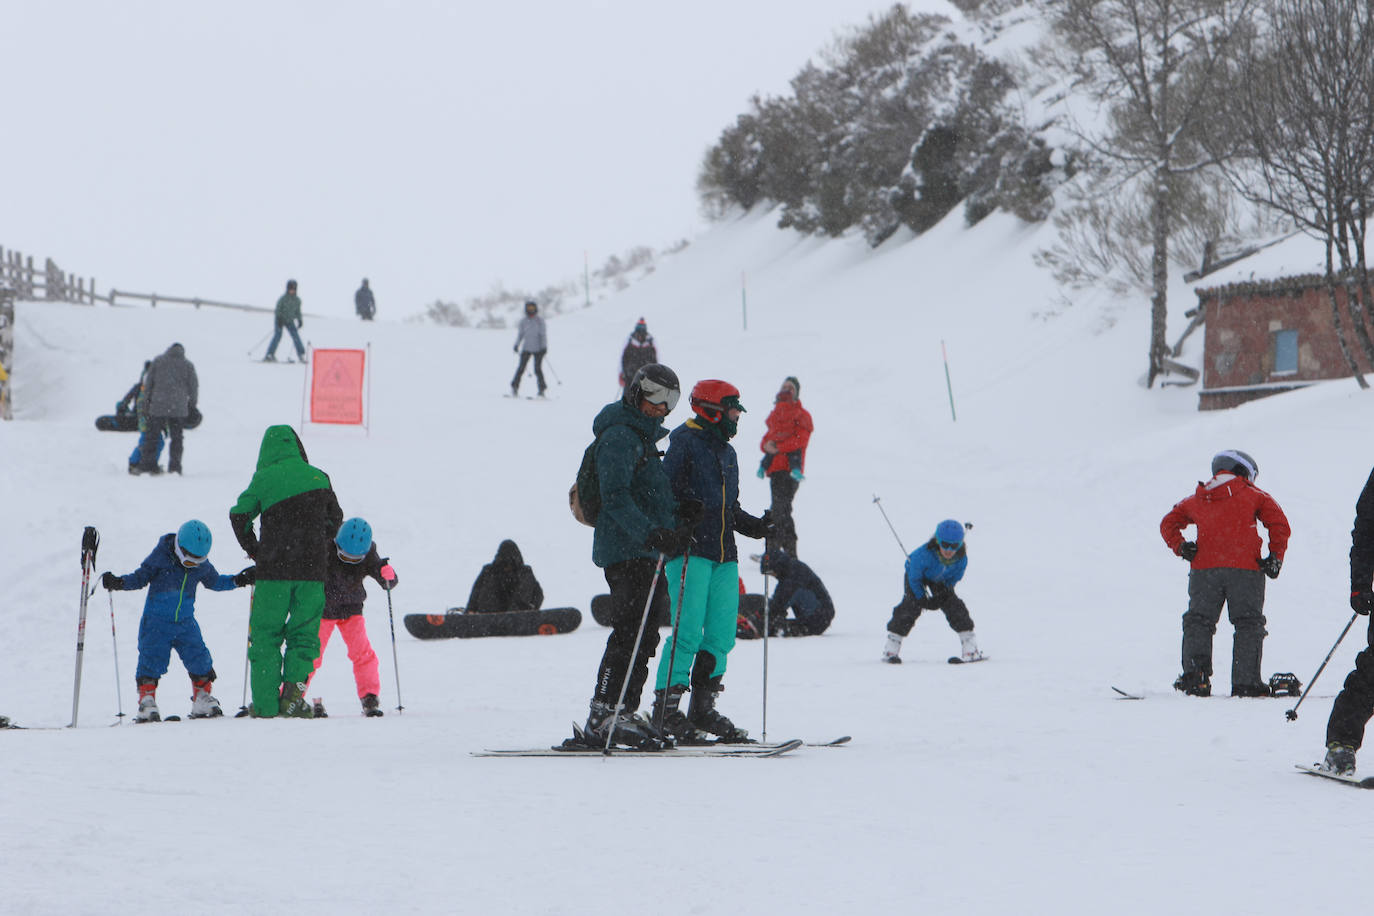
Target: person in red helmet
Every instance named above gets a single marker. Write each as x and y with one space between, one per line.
703 466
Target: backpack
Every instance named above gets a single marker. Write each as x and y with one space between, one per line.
584 496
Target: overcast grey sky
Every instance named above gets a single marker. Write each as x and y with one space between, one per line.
439 149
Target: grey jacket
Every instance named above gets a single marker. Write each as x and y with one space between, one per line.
531 337
171 385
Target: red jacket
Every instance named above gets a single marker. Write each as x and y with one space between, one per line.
789 425
1224 510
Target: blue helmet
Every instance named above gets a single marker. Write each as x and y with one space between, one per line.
354 539
193 541
950 532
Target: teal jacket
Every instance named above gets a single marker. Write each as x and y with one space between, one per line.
288 309
636 496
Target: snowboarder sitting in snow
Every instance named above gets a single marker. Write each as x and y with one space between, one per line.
1225 567
174 568
353 558
505 584
798 589
932 571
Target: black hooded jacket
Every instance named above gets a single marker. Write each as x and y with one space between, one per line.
505 584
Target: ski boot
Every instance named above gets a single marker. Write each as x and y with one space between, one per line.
892 650
147 701
626 729
317 709
704 716
968 647
672 721
293 702
1194 684
1340 759
203 705
1250 690
371 706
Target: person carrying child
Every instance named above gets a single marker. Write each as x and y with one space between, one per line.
354 558
171 572
784 458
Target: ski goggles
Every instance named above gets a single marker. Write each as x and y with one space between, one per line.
948 546
348 557
655 393
189 560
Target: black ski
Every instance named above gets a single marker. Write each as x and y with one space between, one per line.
1352 780
699 750
956 660
1127 696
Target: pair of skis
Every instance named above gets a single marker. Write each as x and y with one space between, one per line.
772 749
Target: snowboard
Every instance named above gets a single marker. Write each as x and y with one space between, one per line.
1359 783
510 623
117 423
602 610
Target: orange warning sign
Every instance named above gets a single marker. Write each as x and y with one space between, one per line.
336 386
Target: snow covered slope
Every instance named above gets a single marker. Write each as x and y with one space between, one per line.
1021 785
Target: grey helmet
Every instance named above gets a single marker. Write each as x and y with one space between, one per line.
1234 461
656 383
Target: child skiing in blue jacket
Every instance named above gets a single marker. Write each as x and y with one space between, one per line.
171 572
932 571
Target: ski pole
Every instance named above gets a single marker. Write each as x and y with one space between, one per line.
390 575
247 644
119 691
639 637
259 343
879 503
1292 714
672 654
90 540
553 371
766 628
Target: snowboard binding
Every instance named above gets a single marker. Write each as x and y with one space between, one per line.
1284 684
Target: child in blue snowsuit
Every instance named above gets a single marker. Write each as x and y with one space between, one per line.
171 572
932 571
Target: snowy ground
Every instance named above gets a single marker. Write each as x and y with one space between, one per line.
1020 785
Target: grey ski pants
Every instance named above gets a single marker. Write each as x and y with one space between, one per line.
1242 591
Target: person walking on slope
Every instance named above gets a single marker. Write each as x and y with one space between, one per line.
300 517
505 584
288 317
784 458
635 532
178 563
932 571
171 393
353 557
704 468
530 340
364 303
1225 567
639 351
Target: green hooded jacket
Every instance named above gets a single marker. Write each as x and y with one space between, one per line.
288 309
636 495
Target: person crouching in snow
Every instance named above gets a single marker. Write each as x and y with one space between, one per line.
171 572
932 571
354 557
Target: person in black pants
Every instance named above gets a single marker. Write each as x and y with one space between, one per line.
800 590
1355 703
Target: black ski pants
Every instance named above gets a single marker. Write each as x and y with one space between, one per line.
1355 703
538 369
785 530
630 582
1242 591
174 427
942 598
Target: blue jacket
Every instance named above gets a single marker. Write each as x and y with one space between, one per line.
925 567
171 586
703 466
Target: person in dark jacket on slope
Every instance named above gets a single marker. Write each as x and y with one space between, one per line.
178 563
1225 567
364 303
800 590
171 390
639 351
300 516
505 584
287 317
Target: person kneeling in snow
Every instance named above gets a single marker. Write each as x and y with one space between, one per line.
800 590
177 564
932 571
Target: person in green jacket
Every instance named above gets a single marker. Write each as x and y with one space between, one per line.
289 317
300 516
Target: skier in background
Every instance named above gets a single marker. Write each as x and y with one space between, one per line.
1354 705
784 458
353 558
800 590
287 316
639 351
178 563
932 571
300 517
364 303
505 584
1225 568
530 340
171 389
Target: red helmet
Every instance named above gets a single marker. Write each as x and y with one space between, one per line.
712 397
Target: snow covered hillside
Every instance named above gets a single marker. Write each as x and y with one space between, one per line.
1020 785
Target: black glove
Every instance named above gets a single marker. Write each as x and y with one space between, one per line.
1187 550
515 349
939 594
1270 566
770 527
300 322
1362 602
116 584
246 576
690 511
669 542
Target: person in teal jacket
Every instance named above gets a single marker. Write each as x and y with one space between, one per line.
288 316
299 518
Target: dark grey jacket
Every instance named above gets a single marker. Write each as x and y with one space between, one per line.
171 384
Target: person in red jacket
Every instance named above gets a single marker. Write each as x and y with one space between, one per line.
784 458
1226 568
